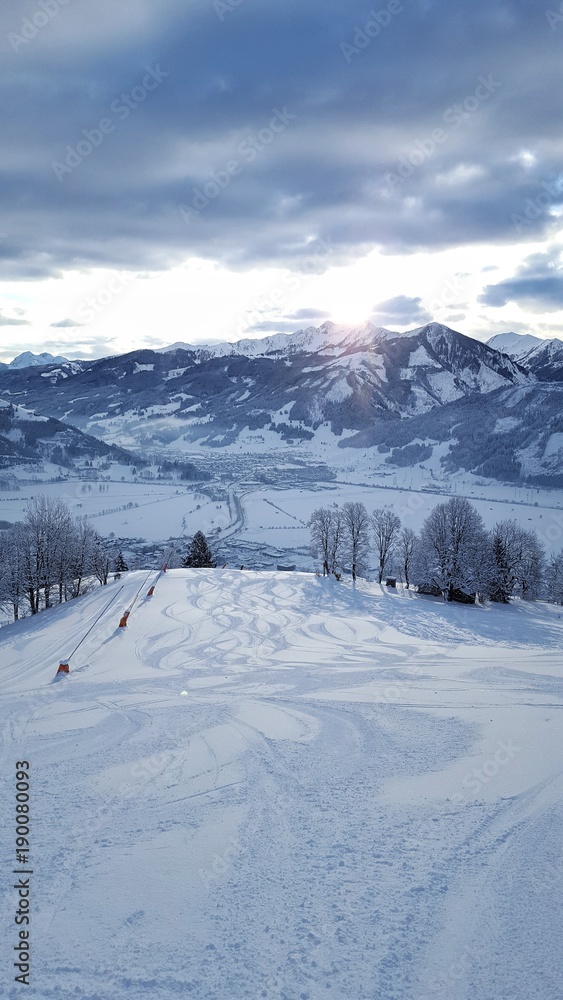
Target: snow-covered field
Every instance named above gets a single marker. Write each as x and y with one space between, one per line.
276 786
140 510
278 516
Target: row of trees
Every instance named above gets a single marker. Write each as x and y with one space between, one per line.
453 554
48 557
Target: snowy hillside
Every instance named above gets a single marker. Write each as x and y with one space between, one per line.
276 786
27 438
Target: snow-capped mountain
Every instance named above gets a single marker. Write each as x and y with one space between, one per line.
516 345
29 360
545 360
330 339
282 388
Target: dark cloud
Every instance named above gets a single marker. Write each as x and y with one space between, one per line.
64 324
456 318
538 284
8 321
305 314
409 142
402 310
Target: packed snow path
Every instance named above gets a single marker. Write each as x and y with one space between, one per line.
276 786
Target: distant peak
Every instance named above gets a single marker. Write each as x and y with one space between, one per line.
30 360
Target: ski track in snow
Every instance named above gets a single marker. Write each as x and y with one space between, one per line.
275 786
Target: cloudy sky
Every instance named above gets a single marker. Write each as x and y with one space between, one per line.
207 169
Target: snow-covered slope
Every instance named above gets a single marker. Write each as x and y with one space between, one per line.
546 360
279 786
27 437
516 345
542 358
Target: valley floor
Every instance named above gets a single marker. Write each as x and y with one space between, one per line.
277 786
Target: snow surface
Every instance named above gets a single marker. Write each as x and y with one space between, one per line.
277 786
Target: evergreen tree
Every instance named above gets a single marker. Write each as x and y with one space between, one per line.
120 566
199 555
505 557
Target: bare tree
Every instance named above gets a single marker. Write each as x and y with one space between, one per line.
12 579
386 526
336 539
320 524
405 548
47 527
554 579
531 567
449 552
49 549
356 535
84 542
101 560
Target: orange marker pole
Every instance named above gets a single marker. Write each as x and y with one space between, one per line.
63 667
124 617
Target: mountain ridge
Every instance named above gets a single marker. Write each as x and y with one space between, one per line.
342 377
327 391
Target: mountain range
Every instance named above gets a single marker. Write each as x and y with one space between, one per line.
351 387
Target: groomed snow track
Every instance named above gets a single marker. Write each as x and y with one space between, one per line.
276 786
